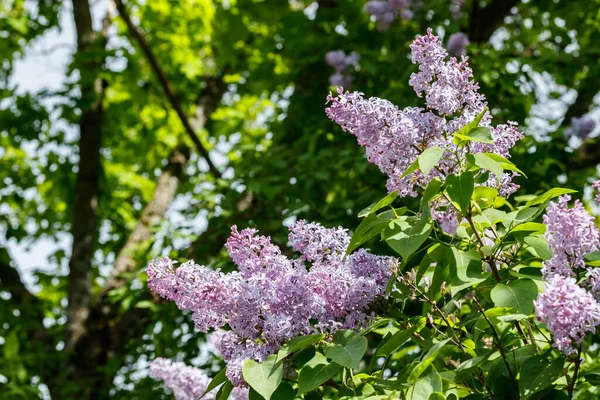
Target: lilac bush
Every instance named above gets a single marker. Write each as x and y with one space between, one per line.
487 295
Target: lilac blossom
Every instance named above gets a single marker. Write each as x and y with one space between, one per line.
187 383
457 43
456 8
341 63
596 186
446 215
568 310
272 298
385 12
580 127
394 138
571 234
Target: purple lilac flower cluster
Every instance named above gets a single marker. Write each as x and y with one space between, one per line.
568 310
571 235
580 127
340 62
596 185
393 138
456 8
187 383
272 298
386 11
457 44
568 307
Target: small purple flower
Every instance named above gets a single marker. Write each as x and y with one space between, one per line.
580 127
457 43
571 234
187 383
569 311
340 63
596 185
384 12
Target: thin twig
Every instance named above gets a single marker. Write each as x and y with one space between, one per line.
500 348
166 84
571 386
454 336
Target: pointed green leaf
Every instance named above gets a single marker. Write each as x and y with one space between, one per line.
480 134
411 168
298 343
426 361
482 160
434 187
406 238
518 294
348 354
392 344
316 372
263 377
429 158
216 381
460 189
537 373
550 194
386 201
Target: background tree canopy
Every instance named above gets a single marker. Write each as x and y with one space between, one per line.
177 120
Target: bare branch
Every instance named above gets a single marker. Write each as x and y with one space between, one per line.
166 84
152 215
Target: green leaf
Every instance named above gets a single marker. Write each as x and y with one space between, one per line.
484 196
263 377
316 372
433 188
386 201
426 361
468 269
298 343
437 396
285 391
426 386
395 341
348 354
473 124
460 189
540 245
518 294
11 345
370 227
550 194
529 227
538 373
480 134
429 158
405 238
216 381
504 163
411 168
483 160
224 391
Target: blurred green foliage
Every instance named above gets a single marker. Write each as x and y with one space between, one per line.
281 157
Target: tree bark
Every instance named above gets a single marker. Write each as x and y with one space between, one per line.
90 51
152 216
